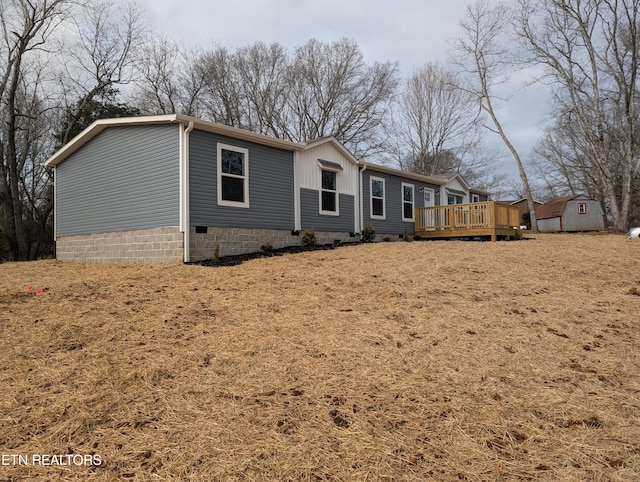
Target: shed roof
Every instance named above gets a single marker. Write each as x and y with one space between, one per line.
555 208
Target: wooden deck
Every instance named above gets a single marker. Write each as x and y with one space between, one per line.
482 219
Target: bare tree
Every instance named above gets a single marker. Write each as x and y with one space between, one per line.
335 93
103 54
262 71
482 53
561 161
170 79
316 91
591 49
222 98
26 27
437 127
49 76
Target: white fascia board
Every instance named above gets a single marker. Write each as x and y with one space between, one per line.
98 126
243 134
405 174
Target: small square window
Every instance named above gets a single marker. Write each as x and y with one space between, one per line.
582 208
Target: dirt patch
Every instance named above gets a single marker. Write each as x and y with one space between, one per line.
391 361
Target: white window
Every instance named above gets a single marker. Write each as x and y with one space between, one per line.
377 198
233 176
329 193
582 208
475 198
407 202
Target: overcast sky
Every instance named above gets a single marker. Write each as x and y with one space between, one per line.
410 32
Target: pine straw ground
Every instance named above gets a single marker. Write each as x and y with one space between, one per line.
393 361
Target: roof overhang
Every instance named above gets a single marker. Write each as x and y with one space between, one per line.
436 180
100 125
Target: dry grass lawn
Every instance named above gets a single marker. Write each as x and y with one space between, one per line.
393 361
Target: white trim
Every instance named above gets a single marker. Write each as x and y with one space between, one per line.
98 126
413 201
412 176
297 208
583 205
356 207
360 197
55 203
336 192
384 198
184 190
244 177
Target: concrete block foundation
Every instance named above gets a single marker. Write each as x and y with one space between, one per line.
234 241
158 245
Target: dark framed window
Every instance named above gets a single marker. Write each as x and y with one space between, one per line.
233 176
454 199
407 202
329 192
377 197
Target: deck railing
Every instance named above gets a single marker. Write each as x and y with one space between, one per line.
480 215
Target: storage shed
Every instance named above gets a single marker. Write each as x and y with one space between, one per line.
570 213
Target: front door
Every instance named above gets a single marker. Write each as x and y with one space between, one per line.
430 214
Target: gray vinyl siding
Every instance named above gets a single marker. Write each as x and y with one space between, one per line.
271 185
311 217
591 220
125 178
549 225
393 224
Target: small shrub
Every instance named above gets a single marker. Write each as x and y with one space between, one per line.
406 236
386 239
367 235
309 238
267 248
336 243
